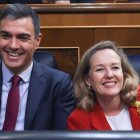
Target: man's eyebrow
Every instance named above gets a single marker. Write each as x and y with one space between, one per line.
24 34
4 32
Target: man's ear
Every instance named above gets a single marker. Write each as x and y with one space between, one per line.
38 40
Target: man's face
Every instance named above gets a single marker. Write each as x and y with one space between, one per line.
17 43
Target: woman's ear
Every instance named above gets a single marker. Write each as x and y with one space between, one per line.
87 81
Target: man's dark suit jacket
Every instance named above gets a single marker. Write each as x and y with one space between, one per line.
50 99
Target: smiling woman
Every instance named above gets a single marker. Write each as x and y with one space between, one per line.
106 88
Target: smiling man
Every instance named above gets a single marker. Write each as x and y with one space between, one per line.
43 97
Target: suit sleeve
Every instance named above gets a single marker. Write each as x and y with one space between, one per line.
64 102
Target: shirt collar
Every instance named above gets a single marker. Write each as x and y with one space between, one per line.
25 75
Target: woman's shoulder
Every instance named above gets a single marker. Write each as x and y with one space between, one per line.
79 112
138 93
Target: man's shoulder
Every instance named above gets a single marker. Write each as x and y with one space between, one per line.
51 71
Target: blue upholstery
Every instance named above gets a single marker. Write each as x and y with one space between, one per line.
135 61
46 58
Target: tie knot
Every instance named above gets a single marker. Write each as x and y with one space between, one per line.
15 80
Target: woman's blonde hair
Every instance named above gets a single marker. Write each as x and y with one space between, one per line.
86 97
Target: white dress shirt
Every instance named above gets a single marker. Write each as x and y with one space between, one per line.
23 90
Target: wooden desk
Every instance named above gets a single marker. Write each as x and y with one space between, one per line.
83 25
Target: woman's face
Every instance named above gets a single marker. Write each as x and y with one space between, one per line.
106 75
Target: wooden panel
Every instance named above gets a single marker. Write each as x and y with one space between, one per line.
85 37
105 1
67 57
131 50
124 36
120 0
88 14
62 37
90 19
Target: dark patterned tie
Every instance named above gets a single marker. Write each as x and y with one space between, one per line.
12 105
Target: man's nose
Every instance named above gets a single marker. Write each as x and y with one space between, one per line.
14 43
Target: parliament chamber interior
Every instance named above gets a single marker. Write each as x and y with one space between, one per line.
68 30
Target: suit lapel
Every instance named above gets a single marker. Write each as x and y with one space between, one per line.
1 80
34 95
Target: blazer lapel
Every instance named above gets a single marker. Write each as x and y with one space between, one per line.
99 122
98 119
34 95
135 118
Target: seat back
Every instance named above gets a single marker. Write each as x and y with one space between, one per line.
46 58
135 61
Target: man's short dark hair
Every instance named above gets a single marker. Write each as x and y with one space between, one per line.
17 11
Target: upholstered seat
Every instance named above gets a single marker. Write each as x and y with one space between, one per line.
135 61
45 58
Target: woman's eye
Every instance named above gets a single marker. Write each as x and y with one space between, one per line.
99 69
115 67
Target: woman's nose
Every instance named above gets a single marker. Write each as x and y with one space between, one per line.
109 73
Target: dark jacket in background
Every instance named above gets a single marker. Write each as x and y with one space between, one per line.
39 1
20 1
82 1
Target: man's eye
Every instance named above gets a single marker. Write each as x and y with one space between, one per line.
23 38
5 36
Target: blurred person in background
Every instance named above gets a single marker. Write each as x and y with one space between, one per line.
27 1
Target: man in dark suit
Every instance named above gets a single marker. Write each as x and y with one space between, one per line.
45 95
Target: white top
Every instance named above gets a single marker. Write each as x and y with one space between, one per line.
23 89
121 121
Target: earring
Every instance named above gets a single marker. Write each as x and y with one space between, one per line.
90 88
